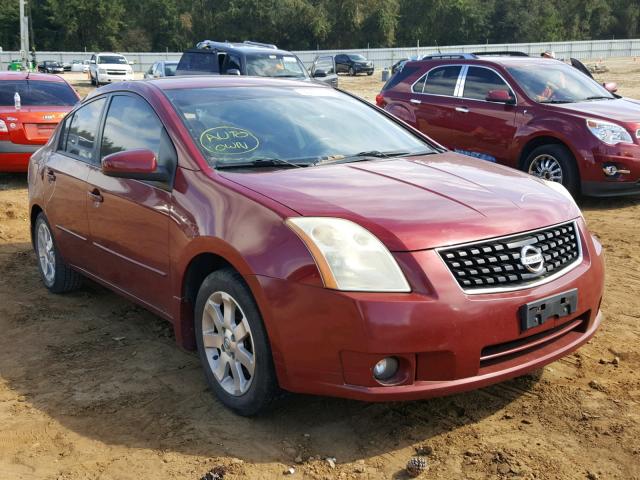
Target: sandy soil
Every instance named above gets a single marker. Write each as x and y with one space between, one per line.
92 386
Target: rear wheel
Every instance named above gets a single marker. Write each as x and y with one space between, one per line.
233 345
554 163
56 275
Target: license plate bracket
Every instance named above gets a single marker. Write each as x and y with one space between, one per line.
534 314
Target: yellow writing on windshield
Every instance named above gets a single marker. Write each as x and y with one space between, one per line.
228 140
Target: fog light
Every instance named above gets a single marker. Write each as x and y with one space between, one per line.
385 369
612 170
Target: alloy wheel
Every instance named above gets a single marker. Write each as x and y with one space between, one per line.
228 343
46 253
547 167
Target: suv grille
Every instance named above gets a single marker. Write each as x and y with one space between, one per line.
497 264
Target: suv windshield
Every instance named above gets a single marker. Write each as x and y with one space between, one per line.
274 65
112 59
36 93
357 58
557 83
304 125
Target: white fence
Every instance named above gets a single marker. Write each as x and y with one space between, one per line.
384 57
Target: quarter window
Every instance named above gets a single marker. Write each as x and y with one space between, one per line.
81 137
480 81
442 80
418 87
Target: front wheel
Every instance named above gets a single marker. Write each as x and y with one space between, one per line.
554 163
352 72
233 345
56 275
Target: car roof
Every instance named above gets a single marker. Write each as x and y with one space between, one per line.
240 48
217 81
44 77
505 61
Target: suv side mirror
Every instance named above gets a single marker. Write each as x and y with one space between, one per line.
138 164
319 74
611 86
233 71
92 62
500 96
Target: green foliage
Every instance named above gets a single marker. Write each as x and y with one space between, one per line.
173 25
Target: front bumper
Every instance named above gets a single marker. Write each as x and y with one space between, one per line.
624 157
363 69
109 78
327 342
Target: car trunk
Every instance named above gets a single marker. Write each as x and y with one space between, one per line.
32 125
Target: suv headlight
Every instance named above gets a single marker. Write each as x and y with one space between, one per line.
102 70
348 256
609 133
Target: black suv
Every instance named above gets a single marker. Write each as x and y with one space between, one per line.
353 64
246 58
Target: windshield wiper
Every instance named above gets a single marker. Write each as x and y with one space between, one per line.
598 97
260 163
368 155
556 101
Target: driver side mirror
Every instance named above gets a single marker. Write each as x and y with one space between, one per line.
138 164
500 96
92 62
319 74
611 86
233 71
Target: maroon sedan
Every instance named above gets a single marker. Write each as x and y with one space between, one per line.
538 115
302 239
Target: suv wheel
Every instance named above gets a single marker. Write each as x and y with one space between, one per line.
233 345
352 72
56 275
554 163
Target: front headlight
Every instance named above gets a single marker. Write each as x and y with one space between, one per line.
609 133
102 70
348 256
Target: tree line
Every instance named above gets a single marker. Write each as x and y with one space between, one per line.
173 25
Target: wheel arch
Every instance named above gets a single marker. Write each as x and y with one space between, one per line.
35 211
539 141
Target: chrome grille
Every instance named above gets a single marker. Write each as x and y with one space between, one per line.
496 264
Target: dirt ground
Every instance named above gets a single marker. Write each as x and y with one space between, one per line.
92 386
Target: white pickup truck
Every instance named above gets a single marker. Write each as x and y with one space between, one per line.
109 67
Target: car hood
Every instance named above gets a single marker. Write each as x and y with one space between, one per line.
621 109
418 203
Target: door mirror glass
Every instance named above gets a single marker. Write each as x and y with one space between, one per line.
499 96
138 164
319 73
611 86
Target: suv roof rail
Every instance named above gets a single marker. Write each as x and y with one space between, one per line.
211 44
501 54
260 44
459 56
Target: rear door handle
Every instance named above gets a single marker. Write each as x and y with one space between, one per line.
462 109
96 196
416 101
51 176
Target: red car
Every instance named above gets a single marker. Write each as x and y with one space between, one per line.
31 106
304 239
535 114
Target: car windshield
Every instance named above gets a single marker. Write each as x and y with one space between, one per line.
112 59
357 58
170 69
275 65
36 93
305 125
557 83
52 64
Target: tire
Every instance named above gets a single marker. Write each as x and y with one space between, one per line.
246 391
56 275
352 72
554 162
369 73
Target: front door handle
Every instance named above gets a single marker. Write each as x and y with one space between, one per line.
416 101
51 176
462 109
95 196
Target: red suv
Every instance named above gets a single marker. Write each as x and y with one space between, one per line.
538 115
303 239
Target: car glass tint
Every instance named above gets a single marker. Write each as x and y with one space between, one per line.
418 87
199 62
325 64
399 76
111 59
442 80
357 58
302 124
36 93
170 69
82 131
233 62
480 81
274 65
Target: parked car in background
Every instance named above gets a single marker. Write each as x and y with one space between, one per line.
66 66
245 58
301 238
108 68
80 66
31 106
14 65
49 66
353 64
538 115
162 68
323 70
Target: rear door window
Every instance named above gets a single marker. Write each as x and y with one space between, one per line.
480 81
199 62
35 93
442 80
81 137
